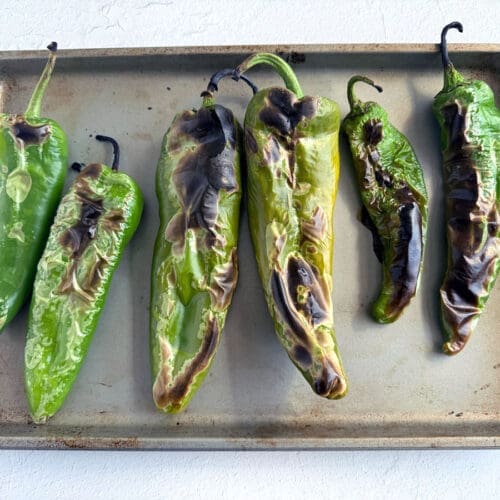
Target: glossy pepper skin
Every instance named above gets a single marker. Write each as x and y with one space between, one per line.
470 144
195 269
394 198
291 144
93 224
33 165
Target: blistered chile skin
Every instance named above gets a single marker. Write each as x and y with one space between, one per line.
93 224
195 269
394 197
33 166
470 144
292 155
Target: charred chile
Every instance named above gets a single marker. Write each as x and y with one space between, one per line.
293 168
394 197
470 144
33 165
195 269
93 224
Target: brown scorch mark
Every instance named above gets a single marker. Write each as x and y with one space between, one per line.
78 237
373 132
283 112
314 229
300 298
302 303
171 393
28 134
404 267
472 220
224 282
202 173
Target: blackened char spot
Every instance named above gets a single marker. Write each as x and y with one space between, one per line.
302 356
271 151
373 130
284 111
472 220
285 308
299 297
325 384
30 134
306 292
383 179
378 246
405 266
78 236
202 173
183 382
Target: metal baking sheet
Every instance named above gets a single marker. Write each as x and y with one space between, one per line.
403 391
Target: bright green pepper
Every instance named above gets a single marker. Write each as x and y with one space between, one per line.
194 272
470 144
394 197
291 143
33 166
93 224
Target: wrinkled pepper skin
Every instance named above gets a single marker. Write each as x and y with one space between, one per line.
470 144
394 198
292 151
93 224
33 166
195 270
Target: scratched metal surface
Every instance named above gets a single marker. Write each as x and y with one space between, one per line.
403 391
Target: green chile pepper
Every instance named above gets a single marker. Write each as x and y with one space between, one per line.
33 165
93 224
470 144
291 144
194 271
394 197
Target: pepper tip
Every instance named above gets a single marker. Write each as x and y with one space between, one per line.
52 46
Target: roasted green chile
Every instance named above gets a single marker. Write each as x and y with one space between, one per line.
33 165
394 198
93 224
195 270
291 144
470 144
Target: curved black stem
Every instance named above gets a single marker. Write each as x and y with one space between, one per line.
116 149
217 77
444 44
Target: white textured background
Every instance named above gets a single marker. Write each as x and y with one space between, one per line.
30 24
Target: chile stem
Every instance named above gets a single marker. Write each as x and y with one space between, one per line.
280 65
116 149
35 105
217 77
353 100
451 76
213 85
444 44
